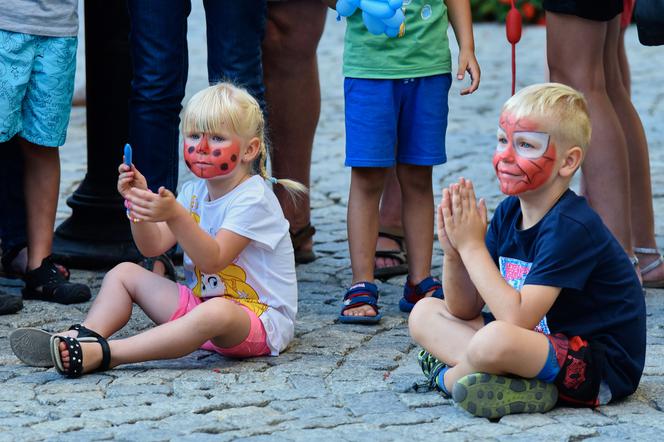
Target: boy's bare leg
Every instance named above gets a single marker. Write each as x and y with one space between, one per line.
366 187
389 218
42 187
417 216
471 347
219 319
440 333
502 348
576 49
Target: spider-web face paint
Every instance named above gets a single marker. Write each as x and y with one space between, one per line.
524 157
209 156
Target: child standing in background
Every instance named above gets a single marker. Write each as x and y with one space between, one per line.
396 116
240 296
38 40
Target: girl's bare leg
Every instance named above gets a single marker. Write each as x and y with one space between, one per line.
124 285
221 320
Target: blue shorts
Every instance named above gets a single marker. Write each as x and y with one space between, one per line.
36 87
396 121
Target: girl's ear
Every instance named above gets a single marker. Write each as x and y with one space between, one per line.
572 161
253 149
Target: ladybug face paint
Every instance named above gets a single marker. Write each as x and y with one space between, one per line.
209 156
524 157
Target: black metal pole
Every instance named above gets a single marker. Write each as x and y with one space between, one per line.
97 234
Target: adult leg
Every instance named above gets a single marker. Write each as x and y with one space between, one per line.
575 53
417 216
41 187
292 91
641 210
365 189
159 56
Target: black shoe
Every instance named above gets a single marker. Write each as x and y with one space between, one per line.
10 303
46 283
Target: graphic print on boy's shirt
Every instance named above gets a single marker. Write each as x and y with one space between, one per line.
514 271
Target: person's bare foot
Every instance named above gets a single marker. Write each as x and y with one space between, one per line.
385 243
656 274
363 310
91 355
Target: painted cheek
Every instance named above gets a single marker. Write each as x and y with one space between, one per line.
527 174
221 160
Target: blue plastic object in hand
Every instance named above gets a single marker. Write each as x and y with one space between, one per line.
127 155
379 16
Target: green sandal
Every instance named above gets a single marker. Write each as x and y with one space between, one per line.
493 396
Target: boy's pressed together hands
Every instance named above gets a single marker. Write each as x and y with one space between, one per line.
469 268
462 220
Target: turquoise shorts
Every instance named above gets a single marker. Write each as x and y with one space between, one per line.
36 87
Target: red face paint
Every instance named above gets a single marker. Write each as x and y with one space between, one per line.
210 156
524 157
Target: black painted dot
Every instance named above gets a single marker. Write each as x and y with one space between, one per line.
233 158
191 149
224 166
216 152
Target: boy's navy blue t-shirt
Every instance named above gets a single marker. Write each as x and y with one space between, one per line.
601 299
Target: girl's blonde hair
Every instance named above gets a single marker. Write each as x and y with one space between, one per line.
224 108
563 110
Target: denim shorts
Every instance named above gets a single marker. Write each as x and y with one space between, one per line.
396 121
36 87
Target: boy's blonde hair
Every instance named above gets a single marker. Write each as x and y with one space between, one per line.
561 108
225 108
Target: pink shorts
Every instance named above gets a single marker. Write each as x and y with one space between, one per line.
255 343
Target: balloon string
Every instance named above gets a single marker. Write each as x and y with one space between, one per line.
513 68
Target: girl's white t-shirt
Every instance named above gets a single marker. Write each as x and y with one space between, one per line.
262 277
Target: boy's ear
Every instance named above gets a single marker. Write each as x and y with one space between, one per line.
253 149
571 161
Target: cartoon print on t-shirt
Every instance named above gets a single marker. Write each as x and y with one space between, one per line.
514 271
231 283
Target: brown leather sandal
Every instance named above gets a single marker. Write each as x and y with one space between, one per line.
299 238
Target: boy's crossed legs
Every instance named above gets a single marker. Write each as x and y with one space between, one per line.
470 346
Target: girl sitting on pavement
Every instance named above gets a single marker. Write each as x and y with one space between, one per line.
240 296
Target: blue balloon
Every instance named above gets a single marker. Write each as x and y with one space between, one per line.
346 8
379 16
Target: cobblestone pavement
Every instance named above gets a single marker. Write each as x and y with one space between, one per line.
335 381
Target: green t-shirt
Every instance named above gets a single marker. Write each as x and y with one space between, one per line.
422 50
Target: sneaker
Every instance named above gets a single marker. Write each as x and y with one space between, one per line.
46 283
493 396
431 368
10 303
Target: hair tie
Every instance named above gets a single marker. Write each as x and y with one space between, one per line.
273 180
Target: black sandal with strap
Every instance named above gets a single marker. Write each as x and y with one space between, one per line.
84 332
75 368
399 255
46 283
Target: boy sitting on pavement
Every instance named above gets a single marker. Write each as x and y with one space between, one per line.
567 309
